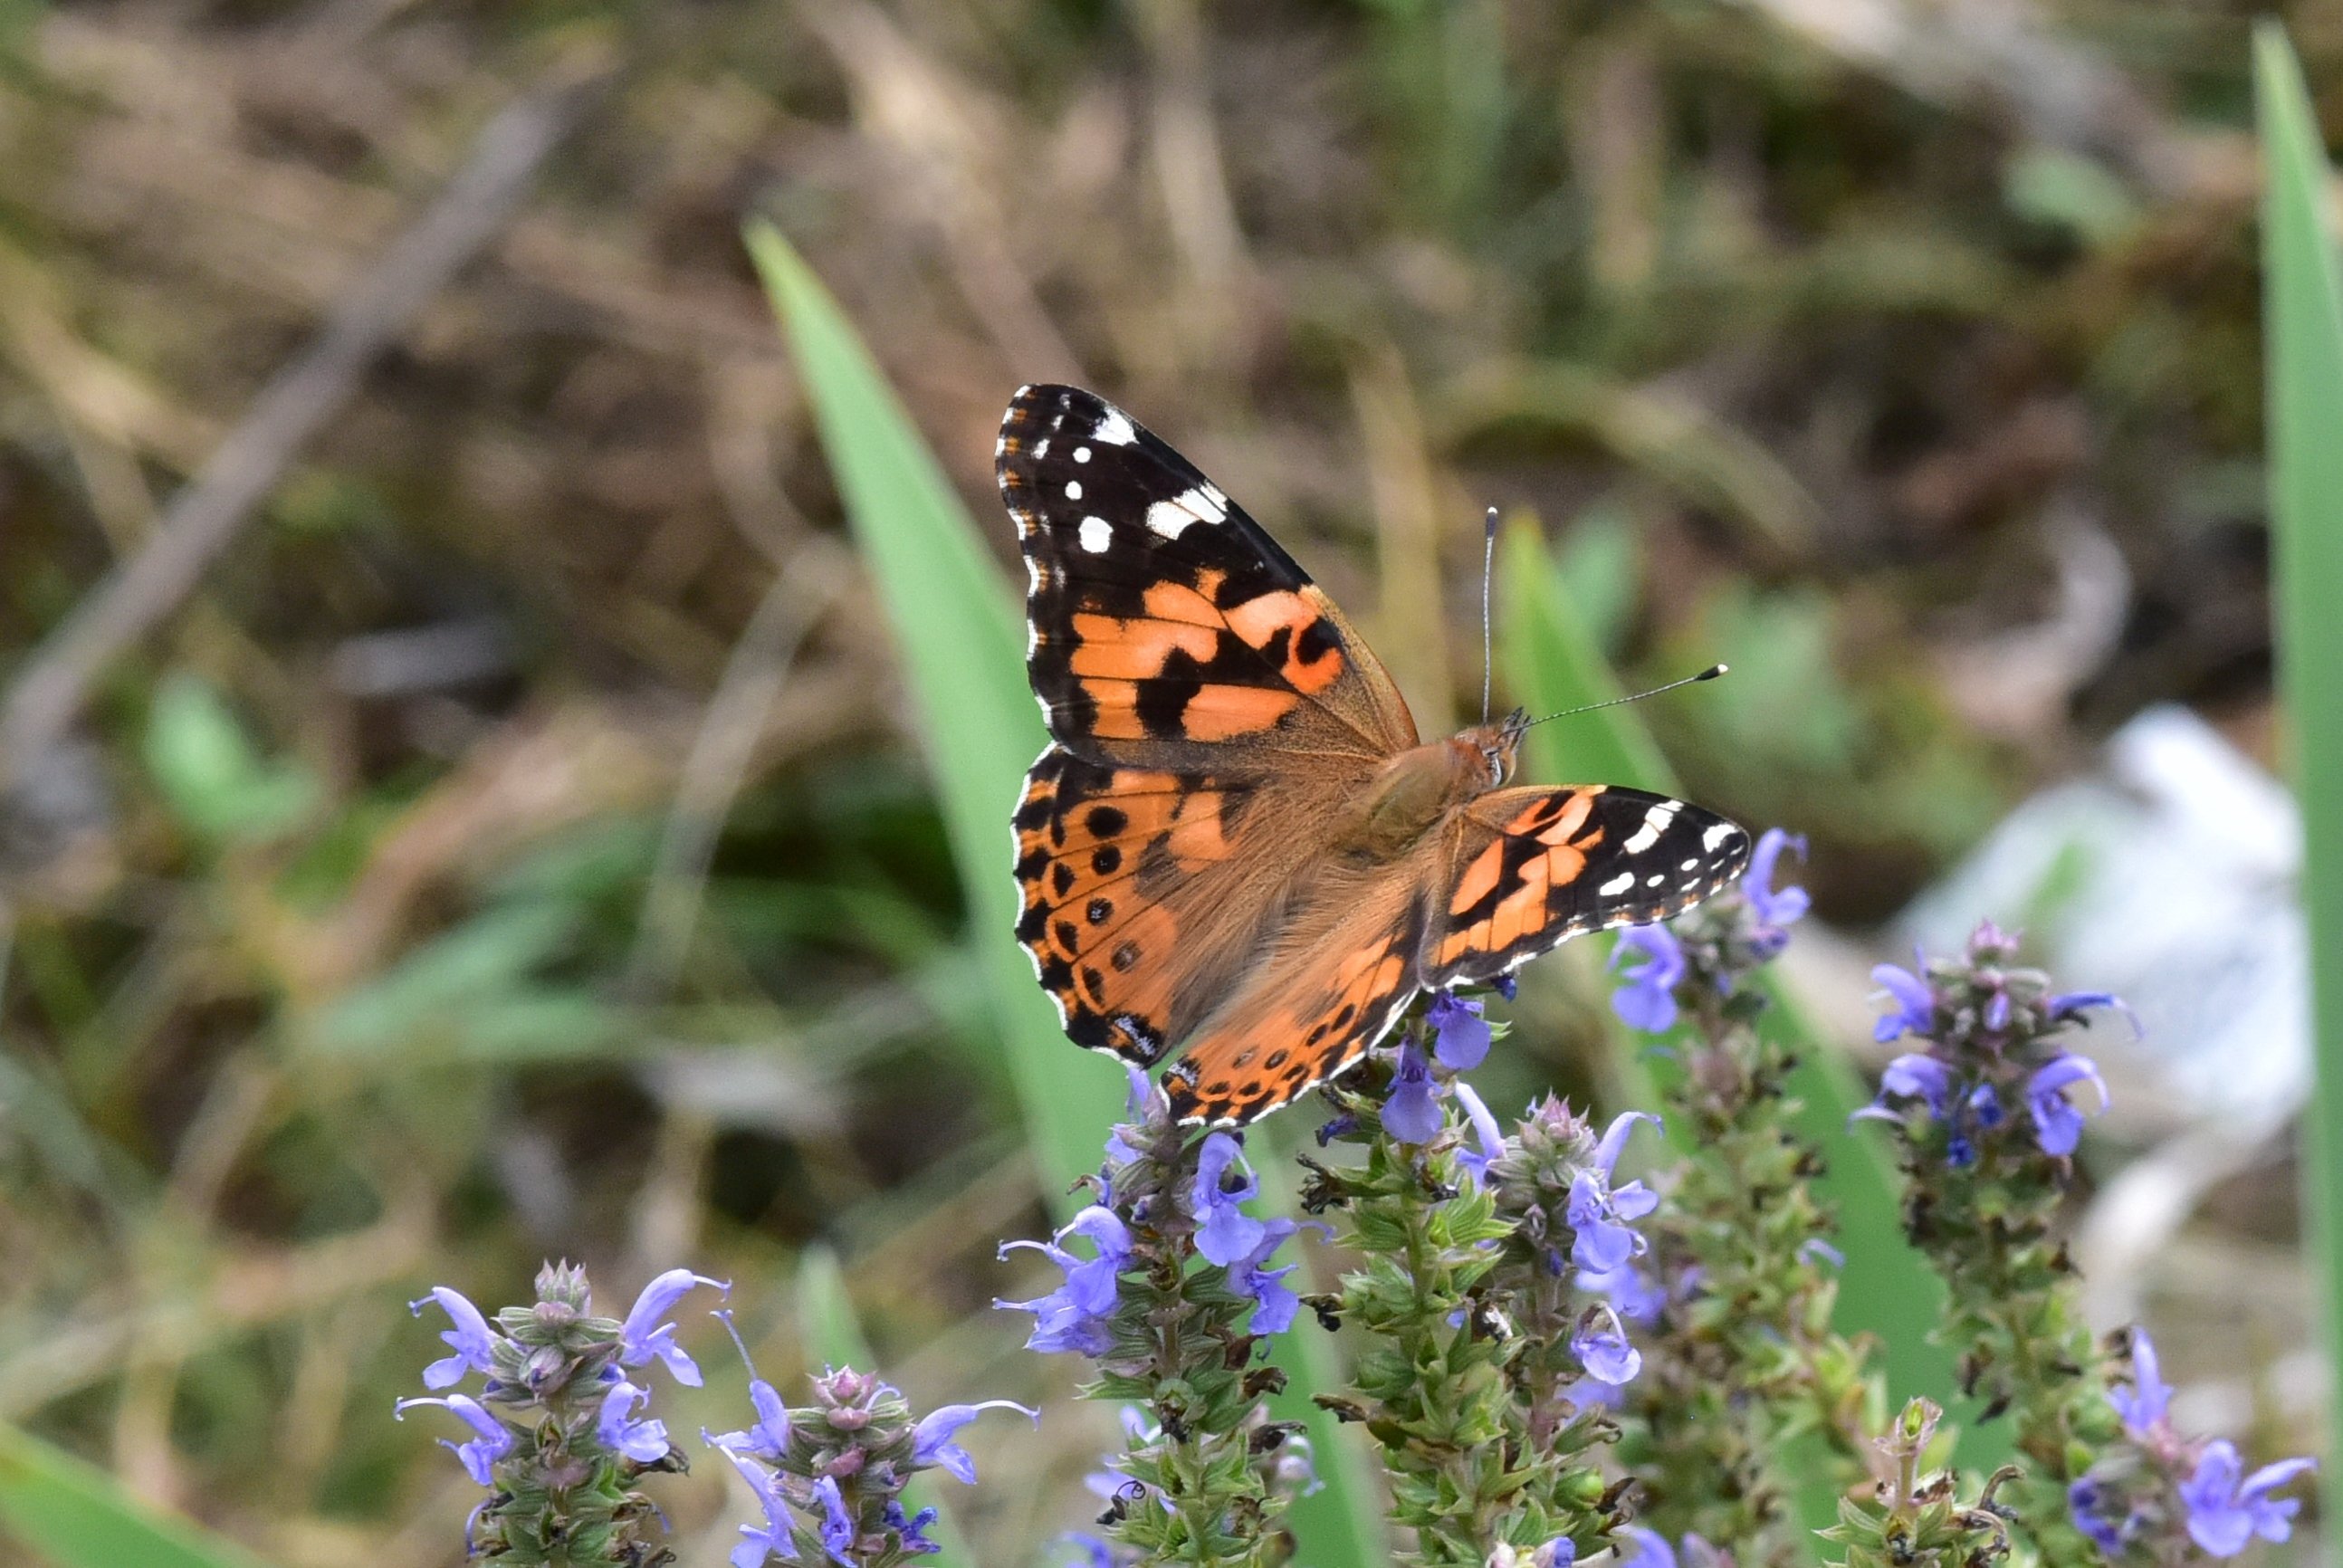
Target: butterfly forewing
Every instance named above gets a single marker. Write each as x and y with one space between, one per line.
1535 865
1168 629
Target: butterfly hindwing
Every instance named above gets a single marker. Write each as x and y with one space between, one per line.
1110 864
1168 630
1534 866
1307 1015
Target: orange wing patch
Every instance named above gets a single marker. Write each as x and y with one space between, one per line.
1297 1024
1099 852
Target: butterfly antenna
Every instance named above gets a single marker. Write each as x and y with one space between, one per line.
1711 673
1488 561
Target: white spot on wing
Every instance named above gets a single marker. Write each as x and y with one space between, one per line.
1114 428
1073 490
1081 454
1719 834
1655 822
1169 518
1617 885
1208 504
1041 447
1096 535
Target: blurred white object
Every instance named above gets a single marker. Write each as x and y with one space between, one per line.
2169 878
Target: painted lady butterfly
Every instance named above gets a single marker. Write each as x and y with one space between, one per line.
1236 844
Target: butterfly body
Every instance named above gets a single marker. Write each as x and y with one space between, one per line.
1236 844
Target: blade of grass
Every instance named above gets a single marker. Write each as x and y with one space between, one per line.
1552 662
964 651
2302 314
963 657
832 1332
74 1516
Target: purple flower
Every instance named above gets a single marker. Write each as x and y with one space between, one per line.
1652 1548
1460 1035
2149 1397
1959 1152
1916 1075
932 1440
479 1454
770 1437
1997 1012
1633 1293
1476 1161
771 1538
1599 1214
2074 1003
1224 1232
1985 1105
473 1340
1601 1347
1648 1000
1096 1553
1274 1302
1777 911
1559 1552
2087 1504
1411 1112
2226 1514
838 1531
1506 986
913 1530
645 1441
639 1340
1074 1316
2057 1125
1915 1004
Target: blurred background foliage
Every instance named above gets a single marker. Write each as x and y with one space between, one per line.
518 845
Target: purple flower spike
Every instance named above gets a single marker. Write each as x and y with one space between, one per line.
2149 1397
480 1453
1411 1113
1915 1004
2225 1513
472 1340
2057 1125
1652 1548
1074 1317
932 1440
1601 1347
1476 1161
1647 1001
645 1441
1224 1232
773 1537
1777 909
645 1337
1460 1035
838 1531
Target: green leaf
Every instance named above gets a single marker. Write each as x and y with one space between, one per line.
1550 663
75 1515
2302 305
212 777
963 655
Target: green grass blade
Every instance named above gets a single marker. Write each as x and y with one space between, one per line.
832 1334
963 647
74 1516
1552 663
2302 305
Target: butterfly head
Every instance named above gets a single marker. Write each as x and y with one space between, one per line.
1499 744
